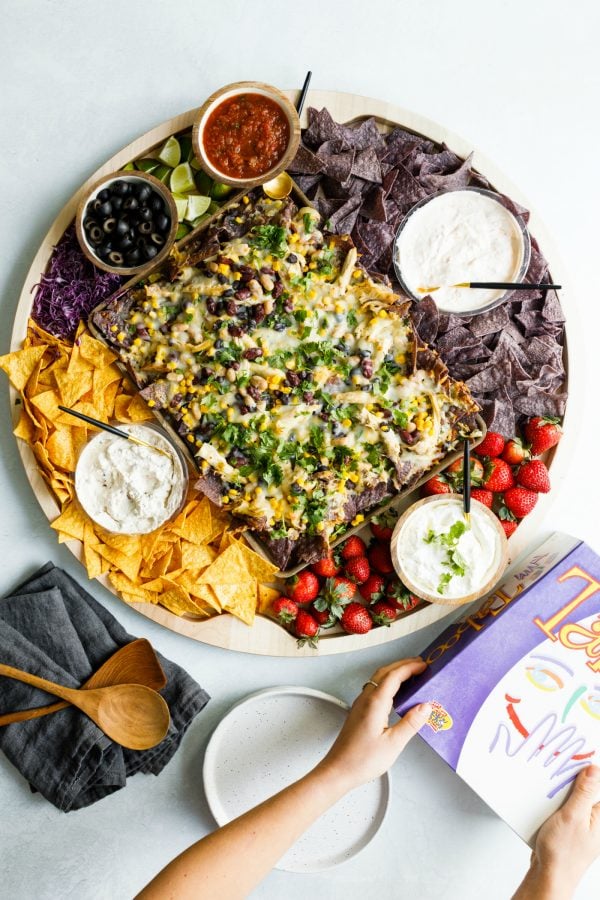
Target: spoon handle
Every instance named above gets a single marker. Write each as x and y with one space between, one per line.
24 715
35 681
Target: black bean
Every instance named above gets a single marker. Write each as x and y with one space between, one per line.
222 279
258 313
367 367
254 392
279 326
228 293
242 294
291 258
277 289
253 353
236 284
292 379
211 306
232 308
234 330
219 343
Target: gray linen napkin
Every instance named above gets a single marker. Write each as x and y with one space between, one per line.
52 627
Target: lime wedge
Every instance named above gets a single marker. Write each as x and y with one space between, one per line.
214 206
187 154
182 230
170 153
146 165
200 219
182 179
197 205
129 167
195 163
162 173
204 182
220 190
181 203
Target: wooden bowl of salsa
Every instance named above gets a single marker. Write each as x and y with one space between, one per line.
246 133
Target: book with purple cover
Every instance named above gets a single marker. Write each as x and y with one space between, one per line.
516 685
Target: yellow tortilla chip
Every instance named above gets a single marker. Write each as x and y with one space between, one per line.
203 593
25 428
47 404
138 410
92 559
197 527
239 600
20 365
71 522
258 567
60 449
196 556
266 595
178 601
129 565
125 586
95 352
129 544
228 568
72 389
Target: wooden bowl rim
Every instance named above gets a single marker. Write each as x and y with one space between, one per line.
243 87
164 192
435 598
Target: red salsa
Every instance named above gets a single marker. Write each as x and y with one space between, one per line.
246 136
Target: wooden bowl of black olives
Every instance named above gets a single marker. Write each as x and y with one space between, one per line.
126 223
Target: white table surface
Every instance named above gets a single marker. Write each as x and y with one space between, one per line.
80 80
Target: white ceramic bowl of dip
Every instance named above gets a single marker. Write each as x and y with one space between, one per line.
461 236
129 489
421 563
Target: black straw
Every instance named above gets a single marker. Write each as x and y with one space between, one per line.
303 93
515 286
467 478
104 425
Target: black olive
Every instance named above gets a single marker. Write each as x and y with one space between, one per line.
117 203
89 223
145 214
105 209
133 257
130 203
145 228
143 192
156 203
96 204
157 239
120 188
162 222
96 234
104 194
125 243
116 258
109 225
122 227
150 251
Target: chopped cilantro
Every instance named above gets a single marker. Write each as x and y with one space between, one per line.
308 222
453 560
269 237
351 319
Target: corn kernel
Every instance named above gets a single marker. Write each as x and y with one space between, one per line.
121 336
151 403
401 359
224 500
137 342
358 519
383 314
245 199
347 423
320 526
357 273
239 220
113 327
191 438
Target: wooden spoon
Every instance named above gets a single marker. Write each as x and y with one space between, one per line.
134 663
132 715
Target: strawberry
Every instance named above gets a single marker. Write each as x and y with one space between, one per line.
436 485
534 475
399 596
373 588
492 445
354 546
306 628
515 452
326 567
304 587
285 609
380 558
509 525
356 619
358 569
542 432
337 592
498 476
520 501
382 525
485 497
323 616
383 613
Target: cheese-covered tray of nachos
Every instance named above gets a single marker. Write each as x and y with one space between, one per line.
294 379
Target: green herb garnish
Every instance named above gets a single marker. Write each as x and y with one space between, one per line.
453 559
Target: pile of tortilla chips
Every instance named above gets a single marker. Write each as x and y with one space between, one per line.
194 565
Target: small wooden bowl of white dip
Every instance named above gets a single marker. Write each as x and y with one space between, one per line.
421 561
460 236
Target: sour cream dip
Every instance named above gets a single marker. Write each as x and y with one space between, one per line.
442 558
460 236
126 488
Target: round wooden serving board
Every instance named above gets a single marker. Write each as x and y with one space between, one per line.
266 637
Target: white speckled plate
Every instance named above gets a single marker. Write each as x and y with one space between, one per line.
267 741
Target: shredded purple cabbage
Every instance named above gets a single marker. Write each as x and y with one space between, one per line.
70 288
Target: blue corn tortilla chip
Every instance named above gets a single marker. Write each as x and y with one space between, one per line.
305 162
366 165
373 206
